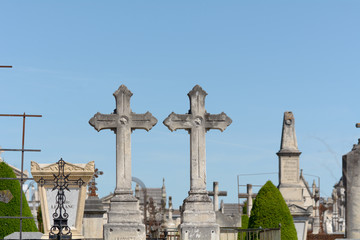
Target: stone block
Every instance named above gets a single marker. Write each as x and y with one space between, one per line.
190 231
121 231
25 236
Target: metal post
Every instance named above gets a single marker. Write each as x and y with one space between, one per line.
23 150
21 175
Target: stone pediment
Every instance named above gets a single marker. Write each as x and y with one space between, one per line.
297 210
69 167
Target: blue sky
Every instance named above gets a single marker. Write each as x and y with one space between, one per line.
255 59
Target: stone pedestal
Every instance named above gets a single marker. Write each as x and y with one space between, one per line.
199 219
124 219
93 218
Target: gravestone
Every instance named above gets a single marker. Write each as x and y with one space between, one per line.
249 195
198 215
75 198
290 184
351 178
94 212
216 194
124 217
289 178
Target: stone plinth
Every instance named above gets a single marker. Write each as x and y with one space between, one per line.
199 219
75 199
24 236
124 219
93 218
351 177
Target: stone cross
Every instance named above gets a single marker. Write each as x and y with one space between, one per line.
197 122
249 196
216 193
123 121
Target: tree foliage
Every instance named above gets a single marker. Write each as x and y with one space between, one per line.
12 208
270 210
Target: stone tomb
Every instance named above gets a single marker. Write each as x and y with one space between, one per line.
198 215
75 199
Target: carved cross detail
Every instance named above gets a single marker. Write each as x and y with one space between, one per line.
122 122
197 122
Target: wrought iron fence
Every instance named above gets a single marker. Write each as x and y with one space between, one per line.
167 234
227 233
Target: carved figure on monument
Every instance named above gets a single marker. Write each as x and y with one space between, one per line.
198 215
124 218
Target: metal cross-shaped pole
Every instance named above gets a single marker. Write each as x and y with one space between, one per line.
197 122
216 194
92 184
122 122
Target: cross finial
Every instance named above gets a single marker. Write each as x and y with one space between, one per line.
92 184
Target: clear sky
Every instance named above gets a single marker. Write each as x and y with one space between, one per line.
255 59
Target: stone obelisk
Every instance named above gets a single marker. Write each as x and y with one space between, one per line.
198 216
289 170
124 219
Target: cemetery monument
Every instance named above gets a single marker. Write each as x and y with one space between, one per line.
124 218
198 215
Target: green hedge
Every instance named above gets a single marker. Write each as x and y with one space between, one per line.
270 209
12 208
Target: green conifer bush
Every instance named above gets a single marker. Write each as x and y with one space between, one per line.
12 208
270 210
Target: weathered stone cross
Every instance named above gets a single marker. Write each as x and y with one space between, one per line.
216 194
197 122
122 122
249 196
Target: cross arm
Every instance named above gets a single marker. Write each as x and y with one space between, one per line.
220 193
103 121
178 121
217 121
245 195
143 121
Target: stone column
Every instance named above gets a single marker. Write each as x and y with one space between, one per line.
351 177
249 199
